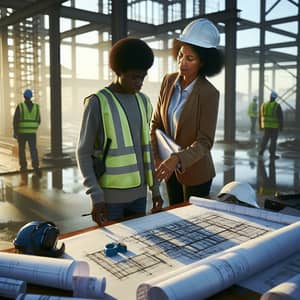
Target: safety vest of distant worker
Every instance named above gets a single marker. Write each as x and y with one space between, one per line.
121 168
269 117
252 110
29 120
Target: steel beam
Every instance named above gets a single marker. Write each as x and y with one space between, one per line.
29 11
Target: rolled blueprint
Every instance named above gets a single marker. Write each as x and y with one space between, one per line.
46 271
213 274
89 287
10 288
244 210
288 290
46 297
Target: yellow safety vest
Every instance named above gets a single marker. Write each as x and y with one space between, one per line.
269 117
252 110
121 169
29 120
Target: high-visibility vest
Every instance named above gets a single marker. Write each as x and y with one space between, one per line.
269 117
252 110
121 169
29 120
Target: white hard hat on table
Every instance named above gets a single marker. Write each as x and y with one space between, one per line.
242 191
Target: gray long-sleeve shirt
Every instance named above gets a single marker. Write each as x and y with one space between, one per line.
91 131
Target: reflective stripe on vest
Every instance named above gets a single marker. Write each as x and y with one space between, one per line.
29 120
121 170
269 117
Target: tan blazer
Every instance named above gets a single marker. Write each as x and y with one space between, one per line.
195 131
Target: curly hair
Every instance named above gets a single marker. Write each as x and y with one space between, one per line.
212 58
129 54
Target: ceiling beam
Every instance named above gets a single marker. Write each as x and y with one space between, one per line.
15 4
29 10
246 24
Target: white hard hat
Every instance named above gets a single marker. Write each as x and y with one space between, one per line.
242 191
201 32
274 95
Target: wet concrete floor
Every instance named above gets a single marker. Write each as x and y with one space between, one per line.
59 196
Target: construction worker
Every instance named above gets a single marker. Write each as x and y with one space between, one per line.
26 121
120 113
253 114
271 121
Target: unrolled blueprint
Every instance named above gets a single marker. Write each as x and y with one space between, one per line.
169 244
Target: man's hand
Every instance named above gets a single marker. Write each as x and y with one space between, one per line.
99 213
157 204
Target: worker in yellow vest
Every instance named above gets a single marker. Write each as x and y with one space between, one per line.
253 114
271 122
114 135
26 122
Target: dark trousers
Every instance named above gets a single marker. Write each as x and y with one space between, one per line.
253 125
270 134
124 210
178 192
31 139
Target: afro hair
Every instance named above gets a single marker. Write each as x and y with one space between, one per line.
130 54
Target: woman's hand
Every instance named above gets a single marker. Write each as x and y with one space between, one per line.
166 168
99 213
157 162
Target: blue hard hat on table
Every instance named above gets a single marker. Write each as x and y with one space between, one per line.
27 93
39 238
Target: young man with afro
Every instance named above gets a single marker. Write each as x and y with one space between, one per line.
116 119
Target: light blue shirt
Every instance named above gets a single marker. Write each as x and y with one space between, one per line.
177 102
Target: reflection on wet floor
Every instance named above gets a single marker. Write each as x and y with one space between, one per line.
59 196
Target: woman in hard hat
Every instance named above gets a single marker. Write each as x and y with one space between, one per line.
187 112
118 188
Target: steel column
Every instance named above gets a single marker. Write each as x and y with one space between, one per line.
230 74
118 20
298 79
262 50
6 121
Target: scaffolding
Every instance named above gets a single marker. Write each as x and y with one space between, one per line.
27 59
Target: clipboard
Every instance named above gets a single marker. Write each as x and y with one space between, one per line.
166 146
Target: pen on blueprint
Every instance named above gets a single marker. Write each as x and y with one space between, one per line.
87 214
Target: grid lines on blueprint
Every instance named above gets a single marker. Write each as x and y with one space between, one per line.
185 241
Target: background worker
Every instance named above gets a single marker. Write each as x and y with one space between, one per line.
271 122
26 122
121 113
253 114
187 111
